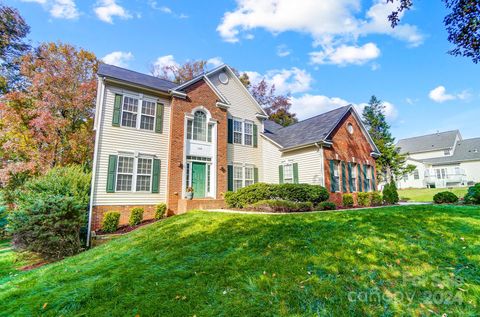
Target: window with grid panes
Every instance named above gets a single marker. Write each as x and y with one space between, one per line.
125 173
144 174
129 112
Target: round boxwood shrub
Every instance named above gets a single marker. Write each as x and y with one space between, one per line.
347 200
276 205
249 195
326 205
110 221
376 199
302 193
160 210
136 216
364 199
473 195
445 198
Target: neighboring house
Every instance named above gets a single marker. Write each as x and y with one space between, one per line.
442 160
155 139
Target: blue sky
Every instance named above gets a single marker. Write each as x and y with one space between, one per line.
326 53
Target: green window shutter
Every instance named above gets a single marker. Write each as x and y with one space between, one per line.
159 118
111 173
117 110
230 177
332 177
230 131
350 180
374 185
255 135
359 176
255 175
344 178
156 176
295 173
280 174
365 180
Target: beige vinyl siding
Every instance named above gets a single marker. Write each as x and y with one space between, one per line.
120 139
310 163
427 155
242 107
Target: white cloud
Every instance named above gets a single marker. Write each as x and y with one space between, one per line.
332 24
154 5
107 9
439 94
283 51
344 55
118 58
60 9
292 80
308 105
167 60
215 62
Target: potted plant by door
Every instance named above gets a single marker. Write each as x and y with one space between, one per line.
189 194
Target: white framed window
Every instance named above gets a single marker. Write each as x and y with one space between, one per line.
441 173
125 169
138 113
237 177
144 174
249 177
336 175
416 174
288 173
248 135
237 132
198 129
354 176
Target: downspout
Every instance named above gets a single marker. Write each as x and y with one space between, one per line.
322 165
97 129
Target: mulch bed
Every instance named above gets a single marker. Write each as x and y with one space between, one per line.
127 228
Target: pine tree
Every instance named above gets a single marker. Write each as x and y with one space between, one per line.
391 164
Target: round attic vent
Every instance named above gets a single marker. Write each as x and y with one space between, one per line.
350 128
223 78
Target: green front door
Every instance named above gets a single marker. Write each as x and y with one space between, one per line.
198 179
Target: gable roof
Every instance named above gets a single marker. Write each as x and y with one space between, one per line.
465 150
133 77
310 131
429 142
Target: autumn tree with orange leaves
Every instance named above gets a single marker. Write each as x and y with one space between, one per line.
50 122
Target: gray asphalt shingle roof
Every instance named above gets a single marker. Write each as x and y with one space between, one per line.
315 129
430 142
135 77
465 150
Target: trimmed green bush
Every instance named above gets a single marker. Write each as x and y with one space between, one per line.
275 205
376 199
293 192
445 197
326 205
136 216
364 199
390 193
160 210
473 195
347 200
50 212
110 221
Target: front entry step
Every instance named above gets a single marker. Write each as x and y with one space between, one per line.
185 205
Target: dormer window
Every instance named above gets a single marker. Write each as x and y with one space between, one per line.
446 152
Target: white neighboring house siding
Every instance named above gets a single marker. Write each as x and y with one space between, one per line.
241 107
411 182
113 140
427 155
310 163
472 170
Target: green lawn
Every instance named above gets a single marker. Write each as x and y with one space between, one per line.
426 194
387 261
11 261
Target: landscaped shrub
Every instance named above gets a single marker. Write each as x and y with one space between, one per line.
160 210
3 221
302 192
390 193
110 221
473 195
445 198
136 216
275 205
326 205
50 212
261 191
364 199
376 199
347 200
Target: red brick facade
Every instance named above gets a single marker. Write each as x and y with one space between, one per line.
199 94
347 147
124 210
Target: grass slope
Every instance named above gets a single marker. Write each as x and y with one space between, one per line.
214 264
426 194
11 261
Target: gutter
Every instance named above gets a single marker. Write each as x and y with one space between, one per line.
317 144
95 156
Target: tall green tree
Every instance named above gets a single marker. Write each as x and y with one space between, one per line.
391 164
13 30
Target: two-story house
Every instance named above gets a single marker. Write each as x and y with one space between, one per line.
442 159
156 139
